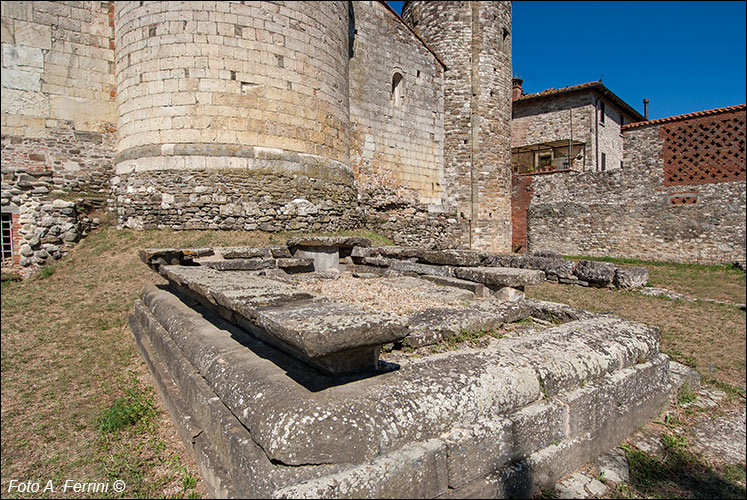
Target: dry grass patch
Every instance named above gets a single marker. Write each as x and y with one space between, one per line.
69 362
68 356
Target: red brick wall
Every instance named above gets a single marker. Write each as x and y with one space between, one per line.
705 149
521 197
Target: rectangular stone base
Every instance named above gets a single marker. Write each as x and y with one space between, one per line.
505 420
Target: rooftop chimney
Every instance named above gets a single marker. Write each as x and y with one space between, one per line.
645 109
517 91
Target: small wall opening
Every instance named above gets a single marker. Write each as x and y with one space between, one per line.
398 87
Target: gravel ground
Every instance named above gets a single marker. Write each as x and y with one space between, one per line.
402 296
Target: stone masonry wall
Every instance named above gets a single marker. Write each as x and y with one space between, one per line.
540 120
638 212
253 73
474 41
234 116
610 138
58 118
396 145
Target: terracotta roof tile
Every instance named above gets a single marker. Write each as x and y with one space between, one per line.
687 116
597 86
559 91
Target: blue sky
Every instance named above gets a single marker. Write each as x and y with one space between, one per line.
682 56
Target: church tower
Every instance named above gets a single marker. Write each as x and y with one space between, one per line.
474 41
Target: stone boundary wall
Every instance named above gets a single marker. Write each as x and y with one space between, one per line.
638 212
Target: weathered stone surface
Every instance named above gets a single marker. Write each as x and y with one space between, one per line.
509 294
453 257
432 325
500 276
236 291
419 470
597 273
296 265
241 264
630 277
318 328
172 256
554 312
404 266
478 289
328 241
325 258
374 428
242 252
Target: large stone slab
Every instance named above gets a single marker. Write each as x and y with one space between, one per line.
470 258
500 276
328 241
433 325
252 264
478 289
337 337
325 258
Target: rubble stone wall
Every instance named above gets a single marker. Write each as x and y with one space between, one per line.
638 211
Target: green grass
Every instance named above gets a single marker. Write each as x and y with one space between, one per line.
685 395
137 405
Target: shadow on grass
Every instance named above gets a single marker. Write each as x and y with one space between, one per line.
680 474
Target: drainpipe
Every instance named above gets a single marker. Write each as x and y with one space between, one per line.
645 109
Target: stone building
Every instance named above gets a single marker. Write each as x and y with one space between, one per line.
279 116
582 122
680 195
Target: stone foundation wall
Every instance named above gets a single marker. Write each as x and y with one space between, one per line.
640 211
236 198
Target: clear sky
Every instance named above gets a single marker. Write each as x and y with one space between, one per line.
682 56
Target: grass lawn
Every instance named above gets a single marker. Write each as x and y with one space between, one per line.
78 402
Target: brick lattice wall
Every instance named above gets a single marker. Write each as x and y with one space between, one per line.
704 150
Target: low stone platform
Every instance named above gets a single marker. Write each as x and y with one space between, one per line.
277 386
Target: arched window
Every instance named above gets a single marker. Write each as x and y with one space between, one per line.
398 87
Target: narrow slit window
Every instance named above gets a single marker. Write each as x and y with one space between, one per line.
398 87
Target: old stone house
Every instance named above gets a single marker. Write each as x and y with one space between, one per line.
279 116
581 122
679 196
